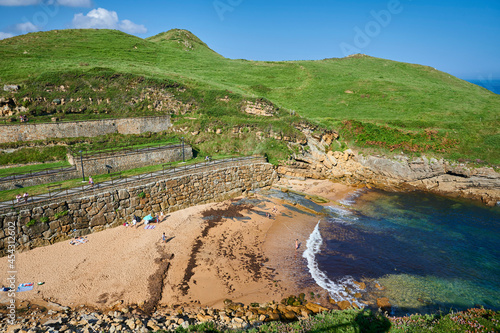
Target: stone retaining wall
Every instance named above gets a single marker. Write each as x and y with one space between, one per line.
83 215
89 128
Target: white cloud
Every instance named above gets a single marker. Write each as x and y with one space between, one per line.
19 2
26 27
101 18
132 28
66 3
4 35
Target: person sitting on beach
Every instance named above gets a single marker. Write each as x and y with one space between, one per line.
135 220
275 210
161 217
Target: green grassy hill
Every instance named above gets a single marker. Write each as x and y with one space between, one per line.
373 103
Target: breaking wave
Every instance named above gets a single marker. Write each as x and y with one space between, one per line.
336 289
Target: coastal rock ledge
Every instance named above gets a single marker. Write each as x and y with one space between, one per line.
397 173
125 318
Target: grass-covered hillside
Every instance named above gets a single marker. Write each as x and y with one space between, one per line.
373 103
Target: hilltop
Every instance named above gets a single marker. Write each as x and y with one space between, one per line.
374 104
180 38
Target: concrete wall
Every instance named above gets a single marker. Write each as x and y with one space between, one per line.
90 128
93 213
97 165
39 180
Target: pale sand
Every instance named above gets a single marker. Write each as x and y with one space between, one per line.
250 259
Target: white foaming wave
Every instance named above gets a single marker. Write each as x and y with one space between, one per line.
341 215
351 200
336 290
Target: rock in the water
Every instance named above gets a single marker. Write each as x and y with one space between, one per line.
384 304
361 285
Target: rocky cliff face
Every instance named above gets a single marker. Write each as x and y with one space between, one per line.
397 173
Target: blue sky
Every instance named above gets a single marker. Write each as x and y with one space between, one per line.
458 37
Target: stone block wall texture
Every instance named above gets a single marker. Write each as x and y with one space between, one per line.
89 128
110 208
98 165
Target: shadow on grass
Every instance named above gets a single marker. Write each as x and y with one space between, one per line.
364 321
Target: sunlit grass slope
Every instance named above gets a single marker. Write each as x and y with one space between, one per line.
373 102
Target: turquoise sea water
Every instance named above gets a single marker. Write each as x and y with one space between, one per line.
430 253
492 85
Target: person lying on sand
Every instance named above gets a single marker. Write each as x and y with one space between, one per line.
83 240
78 241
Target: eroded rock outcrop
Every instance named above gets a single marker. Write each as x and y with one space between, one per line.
395 173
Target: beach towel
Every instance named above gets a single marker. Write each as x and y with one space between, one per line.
150 226
25 287
148 218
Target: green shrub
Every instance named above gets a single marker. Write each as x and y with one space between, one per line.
142 195
32 222
44 219
60 214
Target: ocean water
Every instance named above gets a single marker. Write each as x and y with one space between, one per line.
491 85
429 253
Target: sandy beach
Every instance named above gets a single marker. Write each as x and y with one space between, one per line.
205 259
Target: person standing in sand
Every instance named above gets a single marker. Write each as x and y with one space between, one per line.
296 244
164 238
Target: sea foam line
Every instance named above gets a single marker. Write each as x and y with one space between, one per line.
351 199
340 215
336 290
